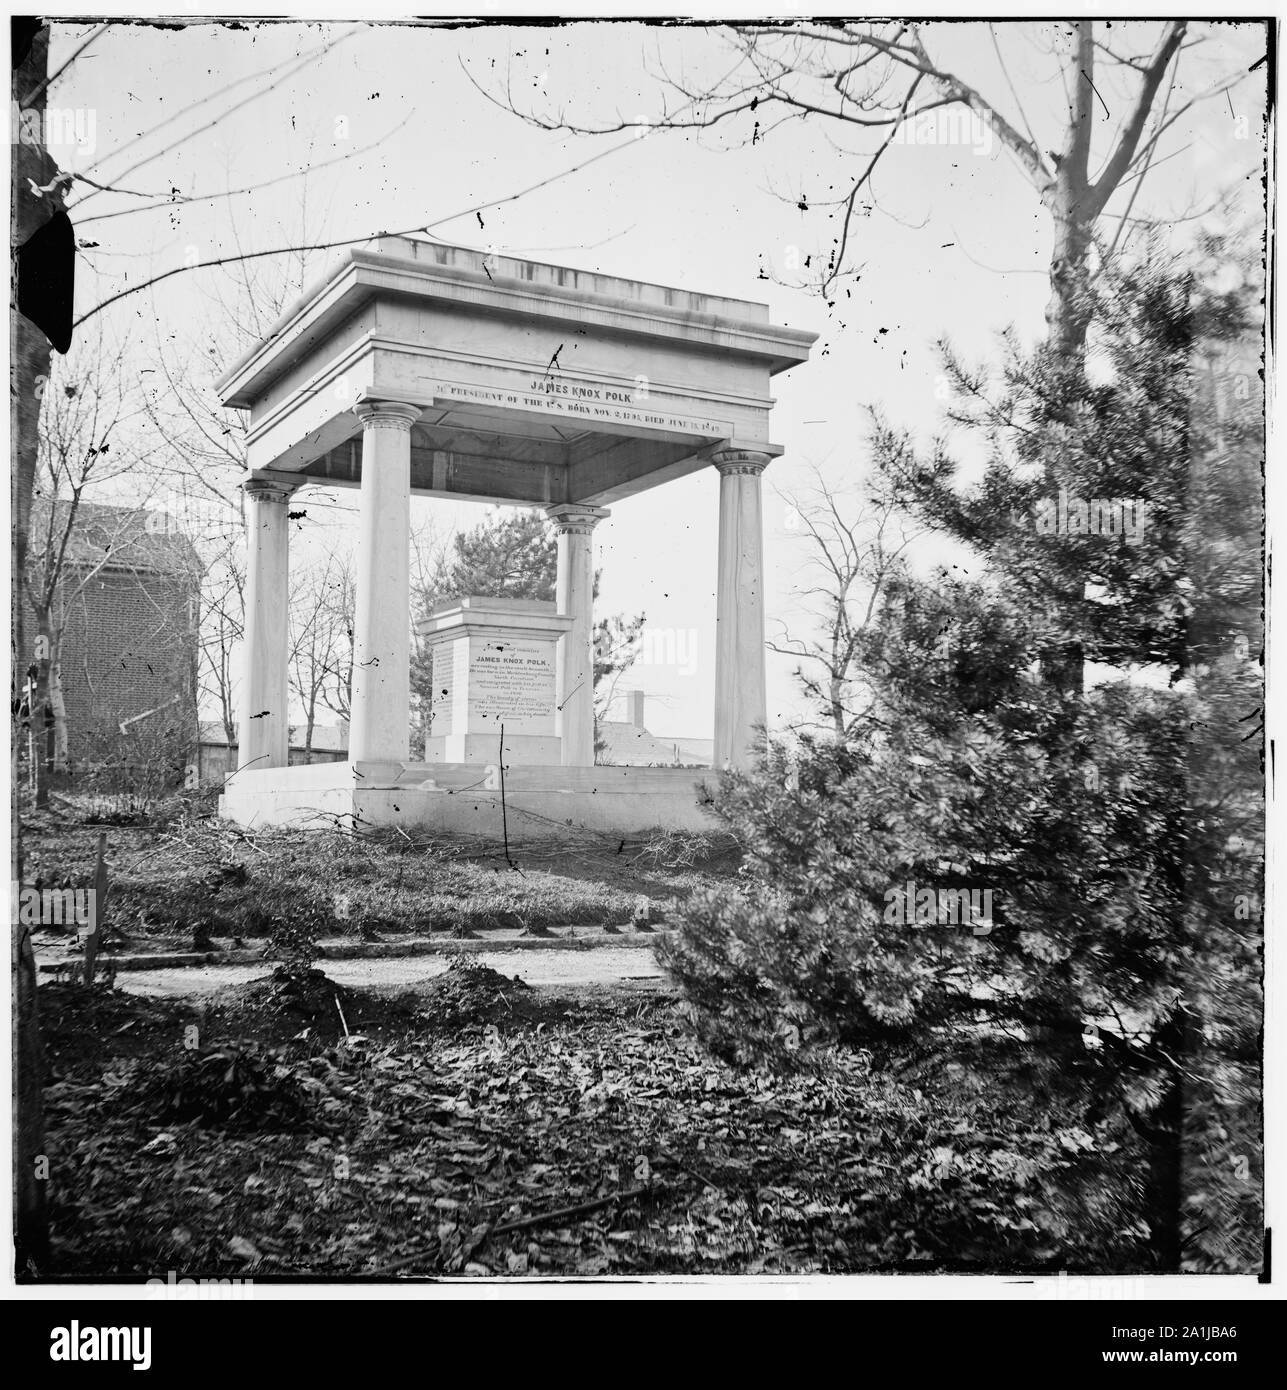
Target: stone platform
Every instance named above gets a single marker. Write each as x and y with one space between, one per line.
540 803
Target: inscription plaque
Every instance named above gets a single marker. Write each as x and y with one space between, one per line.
512 683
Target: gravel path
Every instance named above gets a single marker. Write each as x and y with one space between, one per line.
598 967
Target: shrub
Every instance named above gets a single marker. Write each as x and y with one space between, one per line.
139 767
1106 893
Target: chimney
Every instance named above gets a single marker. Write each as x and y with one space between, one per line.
634 708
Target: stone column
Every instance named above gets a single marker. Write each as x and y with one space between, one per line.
574 685
264 737
380 727
741 708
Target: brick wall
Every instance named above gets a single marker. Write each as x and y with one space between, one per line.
129 645
217 761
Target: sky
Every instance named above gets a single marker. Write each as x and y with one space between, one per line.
956 244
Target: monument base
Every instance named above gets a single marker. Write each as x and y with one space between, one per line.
486 748
540 802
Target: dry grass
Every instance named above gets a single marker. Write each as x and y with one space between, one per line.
192 877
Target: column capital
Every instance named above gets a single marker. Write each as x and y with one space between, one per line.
268 489
741 461
389 415
575 518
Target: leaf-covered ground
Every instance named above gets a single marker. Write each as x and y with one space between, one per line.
485 1128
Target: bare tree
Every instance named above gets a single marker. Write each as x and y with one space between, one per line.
31 350
617 642
339 604
42 196
321 639
221 625
873 81
854 557
86 443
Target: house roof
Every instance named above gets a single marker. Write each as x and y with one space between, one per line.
132 538
629 745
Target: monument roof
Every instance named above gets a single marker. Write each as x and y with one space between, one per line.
405 267
535 384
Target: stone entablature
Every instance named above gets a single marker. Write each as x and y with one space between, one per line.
616 385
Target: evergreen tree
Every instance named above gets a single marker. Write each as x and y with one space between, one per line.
1110 834
510 555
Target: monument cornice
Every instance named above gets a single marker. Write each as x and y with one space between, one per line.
362 275
492 626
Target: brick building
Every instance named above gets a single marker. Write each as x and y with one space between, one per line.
127 603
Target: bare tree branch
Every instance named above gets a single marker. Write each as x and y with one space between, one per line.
1121 158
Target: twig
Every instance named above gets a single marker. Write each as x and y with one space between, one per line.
525 1223
343 1020
693 1173
578 1209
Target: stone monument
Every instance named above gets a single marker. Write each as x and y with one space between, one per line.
414 369
494 672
